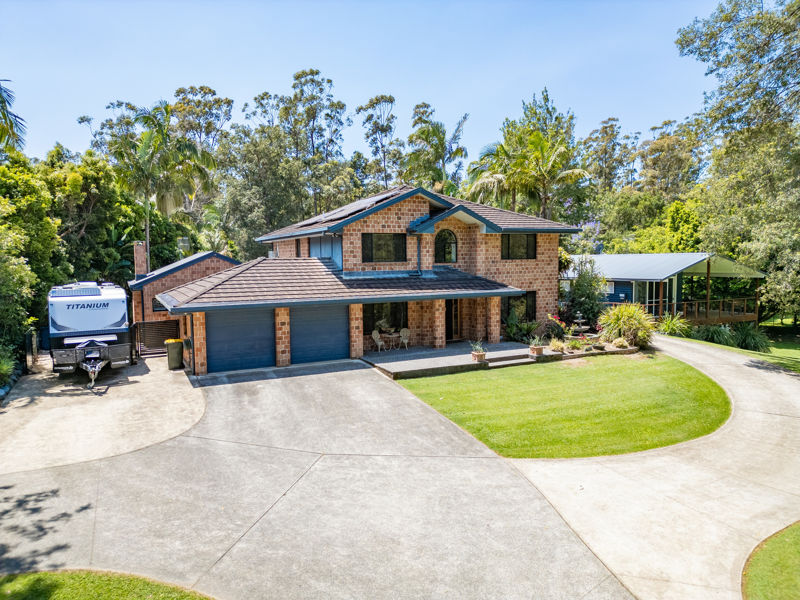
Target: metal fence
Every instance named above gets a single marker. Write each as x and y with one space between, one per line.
149 336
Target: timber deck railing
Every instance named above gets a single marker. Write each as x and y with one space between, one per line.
705 312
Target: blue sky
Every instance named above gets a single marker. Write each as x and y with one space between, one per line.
599 59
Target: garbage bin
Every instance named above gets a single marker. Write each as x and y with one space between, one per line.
174 353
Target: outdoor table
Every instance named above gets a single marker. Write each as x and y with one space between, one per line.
393 339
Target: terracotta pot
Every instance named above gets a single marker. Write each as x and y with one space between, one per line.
537 350
479 356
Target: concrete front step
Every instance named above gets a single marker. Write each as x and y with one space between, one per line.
511 362
506 356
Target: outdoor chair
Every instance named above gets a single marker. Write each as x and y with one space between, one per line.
405 333
376 336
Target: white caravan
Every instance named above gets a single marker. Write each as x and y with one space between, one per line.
89 327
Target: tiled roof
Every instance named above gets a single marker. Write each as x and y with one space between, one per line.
136 284
282 282
506 220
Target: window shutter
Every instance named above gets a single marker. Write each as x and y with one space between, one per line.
366 247
531 245
400 247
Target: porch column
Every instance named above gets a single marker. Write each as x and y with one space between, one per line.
356 330
199 343
708 287
439 331
493 320
661 299
480 318
283 339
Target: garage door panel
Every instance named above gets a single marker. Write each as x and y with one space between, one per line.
319 333
240 339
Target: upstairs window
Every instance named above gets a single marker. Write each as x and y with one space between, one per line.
383 247
297 247
515 246
446 247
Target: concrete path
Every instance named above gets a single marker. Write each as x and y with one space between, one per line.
679 522
49 420
310 482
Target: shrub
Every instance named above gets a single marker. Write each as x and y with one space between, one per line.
748 336
574 344
557 345
478 346
675 325
536 341
628 321
619 343
716 334
6 365
518 330
587 291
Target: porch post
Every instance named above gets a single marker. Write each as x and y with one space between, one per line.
708 287
745 304
439 331
661 298
493 319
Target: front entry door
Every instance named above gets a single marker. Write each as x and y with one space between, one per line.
452 330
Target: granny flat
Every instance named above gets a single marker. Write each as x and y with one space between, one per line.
439 267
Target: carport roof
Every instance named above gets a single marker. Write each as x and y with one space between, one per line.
661 266
293 281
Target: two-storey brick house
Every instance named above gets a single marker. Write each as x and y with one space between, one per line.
442 267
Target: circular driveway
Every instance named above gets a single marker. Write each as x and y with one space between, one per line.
679 522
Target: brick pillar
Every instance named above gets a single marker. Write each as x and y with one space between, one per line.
200 364
439 331
283 339
415 324
480 318
493 320
139 259
356 330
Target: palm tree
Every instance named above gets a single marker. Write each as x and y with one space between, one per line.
493 176
433 151
12 126
545 165
159 167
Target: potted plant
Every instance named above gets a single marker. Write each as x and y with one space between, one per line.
478 351
536 345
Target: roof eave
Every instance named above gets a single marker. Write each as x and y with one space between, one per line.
211 307
289 236
429 225
541 230
137 284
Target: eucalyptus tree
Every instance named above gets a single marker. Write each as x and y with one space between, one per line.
379 124
158 166
433 151
12 126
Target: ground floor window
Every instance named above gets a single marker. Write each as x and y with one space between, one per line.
386 316
524 307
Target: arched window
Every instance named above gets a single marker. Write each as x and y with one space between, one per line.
446 250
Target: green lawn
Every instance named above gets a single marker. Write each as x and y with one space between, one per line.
88 585
784 343
587 407
773 570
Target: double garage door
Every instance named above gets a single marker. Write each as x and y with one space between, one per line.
245 338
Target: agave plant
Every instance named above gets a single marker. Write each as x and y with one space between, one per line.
675 325
629 321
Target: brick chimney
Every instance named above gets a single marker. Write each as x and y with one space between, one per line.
139 260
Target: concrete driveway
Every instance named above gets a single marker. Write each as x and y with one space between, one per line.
679 522
311 482
50 420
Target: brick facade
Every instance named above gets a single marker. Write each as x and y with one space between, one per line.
139 258
283 339
144 297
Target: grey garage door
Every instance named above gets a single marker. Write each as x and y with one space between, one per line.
319 333
240 339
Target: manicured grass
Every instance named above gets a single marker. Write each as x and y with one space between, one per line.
784 343
773 570
586 407
88 585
